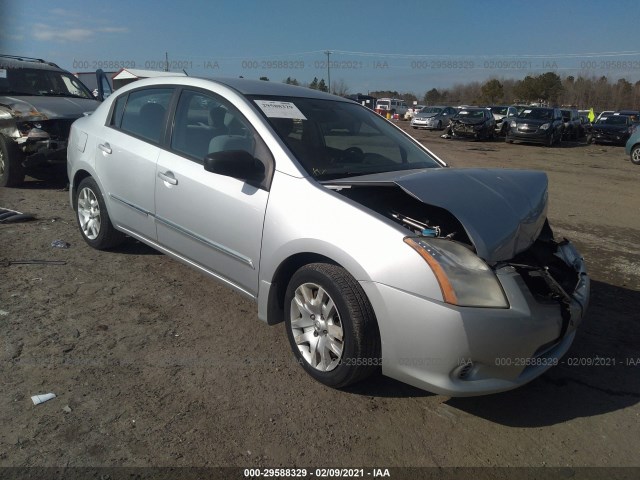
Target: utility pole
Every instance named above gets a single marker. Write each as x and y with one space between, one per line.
328 70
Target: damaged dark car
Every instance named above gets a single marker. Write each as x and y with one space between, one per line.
474 123
612 129
38 103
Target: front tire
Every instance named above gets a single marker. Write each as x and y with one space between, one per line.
93 218
635 155
331 325
549 142
11 170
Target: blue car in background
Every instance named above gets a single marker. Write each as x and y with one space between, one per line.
632 147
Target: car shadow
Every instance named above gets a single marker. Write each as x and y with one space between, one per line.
131 246
53 177
379 386
598 375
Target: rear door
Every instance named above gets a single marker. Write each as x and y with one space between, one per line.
126 157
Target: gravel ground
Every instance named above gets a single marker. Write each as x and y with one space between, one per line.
154 365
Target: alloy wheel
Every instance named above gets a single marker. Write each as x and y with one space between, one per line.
317 327
89 213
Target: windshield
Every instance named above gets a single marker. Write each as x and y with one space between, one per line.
537 113
432 110
333 139
470 114
614 120
39 82
499 110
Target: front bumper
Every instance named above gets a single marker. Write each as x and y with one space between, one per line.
533 136
46 151
429 124
464 351
467 131
610 137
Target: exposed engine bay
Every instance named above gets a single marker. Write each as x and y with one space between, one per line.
544 267
420 219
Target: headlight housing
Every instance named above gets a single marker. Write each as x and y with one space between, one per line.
513 124
465 280
545 126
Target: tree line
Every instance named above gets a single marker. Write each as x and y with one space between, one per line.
548 88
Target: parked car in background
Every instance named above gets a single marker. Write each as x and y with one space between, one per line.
433 118
476 123
411 111
572 125
537 125
38 103
632 147
614 129
633 114
501 114
374 254
391 106
604 113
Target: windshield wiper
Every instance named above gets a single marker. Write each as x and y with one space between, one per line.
62 94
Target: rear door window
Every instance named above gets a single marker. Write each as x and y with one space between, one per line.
144 113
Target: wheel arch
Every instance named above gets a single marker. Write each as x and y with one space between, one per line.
78 177
280 281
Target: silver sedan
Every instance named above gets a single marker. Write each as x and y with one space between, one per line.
375 254
433 118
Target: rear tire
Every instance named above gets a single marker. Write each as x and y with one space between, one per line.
11 169
331 325
93 218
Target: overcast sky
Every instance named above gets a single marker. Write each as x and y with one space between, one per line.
408 46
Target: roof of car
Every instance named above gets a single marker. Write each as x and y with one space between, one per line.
276 89
15 61
241 85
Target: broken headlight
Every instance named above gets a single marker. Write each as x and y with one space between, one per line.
465 280
32 130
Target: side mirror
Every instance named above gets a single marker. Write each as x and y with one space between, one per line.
238 164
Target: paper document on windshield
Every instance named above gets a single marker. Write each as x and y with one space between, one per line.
275 109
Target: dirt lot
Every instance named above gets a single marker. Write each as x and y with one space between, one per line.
154 365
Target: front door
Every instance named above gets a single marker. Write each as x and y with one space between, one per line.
212 221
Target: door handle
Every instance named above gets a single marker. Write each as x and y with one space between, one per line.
105 147
168 177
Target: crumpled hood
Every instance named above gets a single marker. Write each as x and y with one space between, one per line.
469 121
502 211
51 107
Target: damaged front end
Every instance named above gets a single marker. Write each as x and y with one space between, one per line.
497 216
39 139
555 273
466 128
511 296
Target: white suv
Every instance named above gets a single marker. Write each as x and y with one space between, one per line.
392 106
